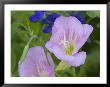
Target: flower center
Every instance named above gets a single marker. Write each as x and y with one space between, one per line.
68 46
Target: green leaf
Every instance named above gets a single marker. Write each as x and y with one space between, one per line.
67 72
13 60
93 14
36 27
62 65
15 73
26 50
16 51
24 53
91 68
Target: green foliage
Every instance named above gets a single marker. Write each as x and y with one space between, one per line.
22 30
24 53
93 14
62 66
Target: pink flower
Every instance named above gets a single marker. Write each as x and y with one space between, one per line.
68 36
36 64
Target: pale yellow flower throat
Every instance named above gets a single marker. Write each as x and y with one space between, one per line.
68 46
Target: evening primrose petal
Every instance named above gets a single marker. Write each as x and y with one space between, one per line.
73 60
87 30
36 64
69 24
77 59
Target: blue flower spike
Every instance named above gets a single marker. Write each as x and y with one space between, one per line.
46 21
51 18
47 29
37 16
33 18
79 16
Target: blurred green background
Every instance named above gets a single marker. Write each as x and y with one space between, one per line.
20 37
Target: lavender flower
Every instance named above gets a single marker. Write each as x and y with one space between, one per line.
68 36
36 64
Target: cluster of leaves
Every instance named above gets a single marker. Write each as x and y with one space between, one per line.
20 35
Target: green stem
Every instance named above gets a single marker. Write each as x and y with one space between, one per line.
57 74
25 50
30 40
74 73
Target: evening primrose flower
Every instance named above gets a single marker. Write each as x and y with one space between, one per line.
36 64
68 36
